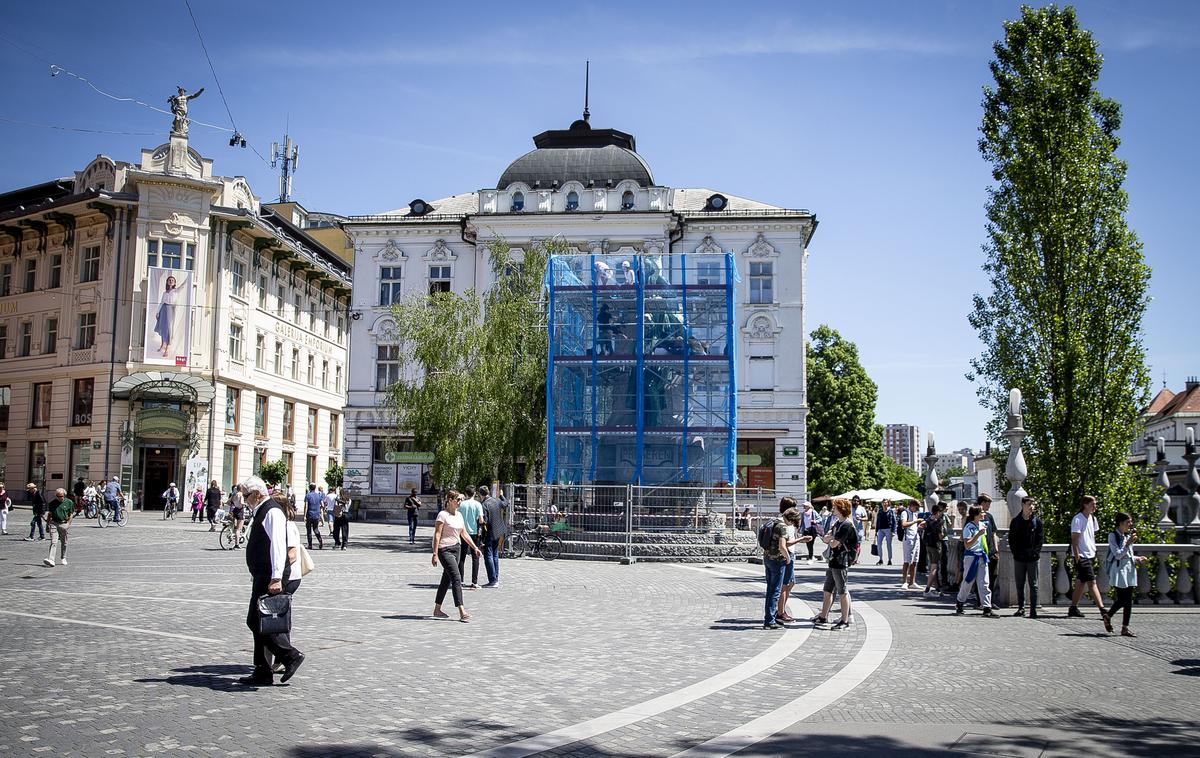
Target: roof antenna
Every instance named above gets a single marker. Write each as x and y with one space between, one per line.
587 71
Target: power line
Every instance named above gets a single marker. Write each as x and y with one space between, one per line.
74 128
208 58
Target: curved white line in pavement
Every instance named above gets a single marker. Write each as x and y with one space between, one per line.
787 644
875 648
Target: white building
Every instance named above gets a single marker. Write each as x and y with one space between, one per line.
902 443
589 187
157 322
948 461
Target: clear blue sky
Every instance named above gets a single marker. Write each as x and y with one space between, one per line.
866 113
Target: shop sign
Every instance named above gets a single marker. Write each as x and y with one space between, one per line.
396 456
791 451
749 459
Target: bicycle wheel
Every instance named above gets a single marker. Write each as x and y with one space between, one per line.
102 517
550 546
225 538
519 545
124 517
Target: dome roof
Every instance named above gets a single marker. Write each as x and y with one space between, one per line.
593 157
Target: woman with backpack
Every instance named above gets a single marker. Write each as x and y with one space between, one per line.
936 528
777 561
198 506
1122 570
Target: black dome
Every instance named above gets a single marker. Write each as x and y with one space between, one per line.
599 157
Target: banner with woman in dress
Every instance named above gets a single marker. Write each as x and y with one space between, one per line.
168 317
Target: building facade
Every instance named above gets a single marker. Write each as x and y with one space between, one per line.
590 188
902 443
158 323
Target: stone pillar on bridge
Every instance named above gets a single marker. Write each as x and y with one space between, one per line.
1016 472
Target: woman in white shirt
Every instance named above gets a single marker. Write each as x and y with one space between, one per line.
448 535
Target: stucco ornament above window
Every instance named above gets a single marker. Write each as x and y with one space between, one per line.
760 248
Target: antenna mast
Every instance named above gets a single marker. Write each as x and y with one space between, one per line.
587 76
288 160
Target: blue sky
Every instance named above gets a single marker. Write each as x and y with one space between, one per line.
866 113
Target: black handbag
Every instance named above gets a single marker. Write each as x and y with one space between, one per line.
275 613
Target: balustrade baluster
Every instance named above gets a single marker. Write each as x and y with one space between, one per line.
1143 584
1163 582
1102 572
1046 585
1183 581
1062 582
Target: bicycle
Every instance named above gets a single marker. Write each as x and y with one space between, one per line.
104 514
535 540
225 536
170 509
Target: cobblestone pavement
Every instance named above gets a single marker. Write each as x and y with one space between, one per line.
134 647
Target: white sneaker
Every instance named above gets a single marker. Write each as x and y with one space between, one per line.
63 561
912 586
48 562
903 586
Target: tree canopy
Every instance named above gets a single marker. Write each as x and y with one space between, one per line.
473 370
1063 320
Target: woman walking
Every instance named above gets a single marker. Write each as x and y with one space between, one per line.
212 502
198 506
975 563
1122 572
449 532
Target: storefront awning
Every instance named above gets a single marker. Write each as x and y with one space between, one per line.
167 386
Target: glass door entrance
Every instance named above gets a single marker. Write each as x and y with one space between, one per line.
158 467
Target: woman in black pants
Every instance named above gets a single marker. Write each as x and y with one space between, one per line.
1122 569
448 535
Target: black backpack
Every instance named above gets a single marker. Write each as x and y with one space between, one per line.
933 531
764 534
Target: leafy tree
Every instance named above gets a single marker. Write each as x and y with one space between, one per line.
845 445
273 472
334 476
1063 321
473 370
901 478
954 471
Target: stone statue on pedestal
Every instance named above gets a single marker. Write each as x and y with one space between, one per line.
179 108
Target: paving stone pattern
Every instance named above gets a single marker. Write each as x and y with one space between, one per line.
558 643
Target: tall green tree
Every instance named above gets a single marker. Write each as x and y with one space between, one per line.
473 371
845 445
1063 320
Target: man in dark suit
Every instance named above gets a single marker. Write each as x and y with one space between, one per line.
495 516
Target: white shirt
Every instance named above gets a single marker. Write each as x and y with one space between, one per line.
791 535
911 516
276 525
330 501
859 514
1085 527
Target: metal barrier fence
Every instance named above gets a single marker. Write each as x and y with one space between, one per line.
642 522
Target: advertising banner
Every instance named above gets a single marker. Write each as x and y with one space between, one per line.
408 477
168 317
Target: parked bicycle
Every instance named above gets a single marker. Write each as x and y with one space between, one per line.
534 540
105 515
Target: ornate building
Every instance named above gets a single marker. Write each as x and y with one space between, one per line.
591 188
158 323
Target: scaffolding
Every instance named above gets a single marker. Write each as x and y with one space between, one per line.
640 385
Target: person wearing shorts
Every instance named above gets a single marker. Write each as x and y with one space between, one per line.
791 521
910 528
843 551
1083 550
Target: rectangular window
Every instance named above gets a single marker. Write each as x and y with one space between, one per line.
312 426
31 274
3 340
51 336
389 285
238 271
229 473
37 464
289 421
311 468
81 460
152 253
708 272
280 301
387 366
324 375
260 351
5 403
762 373
439 279
289 462
299 305
262 292
85 335
279 358
337 379
5 279
43 399
81 403
55 271
260 459
260 415
312 320
174 254
235 341
295 365
761 283
334 420
310 370
341 328
325 324
89 264
233 408
25 343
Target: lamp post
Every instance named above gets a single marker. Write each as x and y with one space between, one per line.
1164 482
1015 470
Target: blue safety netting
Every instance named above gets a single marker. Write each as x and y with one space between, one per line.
640 383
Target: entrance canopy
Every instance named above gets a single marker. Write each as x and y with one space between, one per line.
167 386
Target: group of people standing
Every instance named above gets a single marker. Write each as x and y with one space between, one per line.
842 528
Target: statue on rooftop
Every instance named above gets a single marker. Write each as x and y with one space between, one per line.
179 108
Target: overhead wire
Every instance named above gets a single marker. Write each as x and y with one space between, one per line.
74 128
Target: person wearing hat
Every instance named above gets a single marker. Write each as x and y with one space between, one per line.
39 512
112 497
171 497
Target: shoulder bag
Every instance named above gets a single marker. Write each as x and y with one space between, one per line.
275 613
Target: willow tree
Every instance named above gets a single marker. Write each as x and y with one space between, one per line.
1063 321
473 371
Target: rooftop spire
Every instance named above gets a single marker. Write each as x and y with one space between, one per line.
587 71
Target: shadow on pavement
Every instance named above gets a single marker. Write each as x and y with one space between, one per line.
219 677
1187 666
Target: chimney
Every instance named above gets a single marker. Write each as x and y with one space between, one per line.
1192 383
987 449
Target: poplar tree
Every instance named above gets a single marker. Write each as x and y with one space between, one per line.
1063 320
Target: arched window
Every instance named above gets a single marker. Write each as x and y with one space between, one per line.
627 200
572 200
518 202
